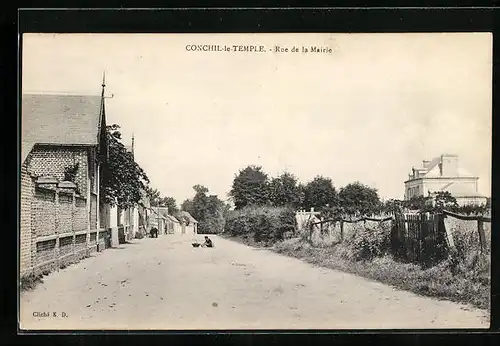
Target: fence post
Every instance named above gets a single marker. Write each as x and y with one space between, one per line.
449 235
482 236
341 230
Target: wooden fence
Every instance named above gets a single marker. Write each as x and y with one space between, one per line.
416 237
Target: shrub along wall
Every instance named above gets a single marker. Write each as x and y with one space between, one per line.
261 224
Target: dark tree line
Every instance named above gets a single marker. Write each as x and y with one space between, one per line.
208 210
122 179
253 187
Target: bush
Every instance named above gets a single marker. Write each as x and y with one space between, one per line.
367 243
467 260
264 224
30 281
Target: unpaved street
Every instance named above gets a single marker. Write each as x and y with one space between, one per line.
165 283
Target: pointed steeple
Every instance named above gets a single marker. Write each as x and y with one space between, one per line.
132 144
102 92
102 121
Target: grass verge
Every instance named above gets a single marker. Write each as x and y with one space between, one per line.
30 281
439 281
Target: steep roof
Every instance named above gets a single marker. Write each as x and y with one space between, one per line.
173 219
189 216
163 210
144 199
60 120
431 169
461 190
154 211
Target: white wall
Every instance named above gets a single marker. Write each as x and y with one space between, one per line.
113 217
423 186
113 224
135 221
436 185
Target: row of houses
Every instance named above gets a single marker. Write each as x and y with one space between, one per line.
180 223
63 152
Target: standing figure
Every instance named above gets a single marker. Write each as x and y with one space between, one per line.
154 232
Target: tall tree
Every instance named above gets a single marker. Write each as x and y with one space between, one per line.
214 218
170 203
356 198
284 191
250 187
154 196
199 204
207 210
122 179
187 205
319 193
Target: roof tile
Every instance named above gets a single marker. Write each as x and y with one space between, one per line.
59 119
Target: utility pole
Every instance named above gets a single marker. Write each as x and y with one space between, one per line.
158 217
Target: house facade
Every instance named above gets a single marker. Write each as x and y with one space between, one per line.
444 173
173 225
189 224
157 220
63 148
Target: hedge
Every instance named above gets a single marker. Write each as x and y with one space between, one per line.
263 224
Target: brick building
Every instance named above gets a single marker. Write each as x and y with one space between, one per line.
63 148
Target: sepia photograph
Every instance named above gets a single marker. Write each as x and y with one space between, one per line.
255 181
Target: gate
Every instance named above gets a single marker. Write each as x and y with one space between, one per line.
419 238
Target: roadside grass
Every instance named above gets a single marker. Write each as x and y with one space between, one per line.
445 280
30 281
246 240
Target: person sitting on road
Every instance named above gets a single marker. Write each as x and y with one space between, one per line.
207 243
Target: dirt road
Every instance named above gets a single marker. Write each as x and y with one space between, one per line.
165 283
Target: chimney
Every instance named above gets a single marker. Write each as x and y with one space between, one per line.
425 163
449 165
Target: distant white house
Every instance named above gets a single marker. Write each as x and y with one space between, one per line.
189 224
173 225
158 220
444 173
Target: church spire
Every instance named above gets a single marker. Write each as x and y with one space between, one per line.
132 144
102 95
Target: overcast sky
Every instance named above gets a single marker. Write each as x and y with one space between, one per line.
369 111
